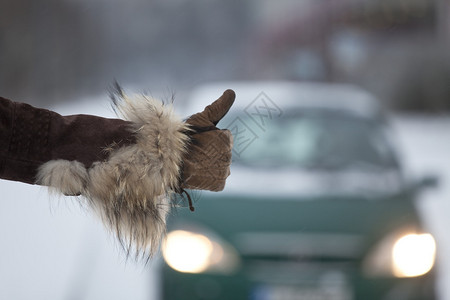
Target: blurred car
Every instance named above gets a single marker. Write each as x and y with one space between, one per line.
316 207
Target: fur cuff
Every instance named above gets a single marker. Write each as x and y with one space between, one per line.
131 189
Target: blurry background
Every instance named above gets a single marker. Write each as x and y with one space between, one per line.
60 50
62 54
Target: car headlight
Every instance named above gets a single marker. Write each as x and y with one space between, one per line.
197 252
413 255
404 255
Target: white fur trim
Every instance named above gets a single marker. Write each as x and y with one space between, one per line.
131 189
70 177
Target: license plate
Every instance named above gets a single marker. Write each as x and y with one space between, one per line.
281 292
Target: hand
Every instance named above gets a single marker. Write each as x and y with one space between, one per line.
207 162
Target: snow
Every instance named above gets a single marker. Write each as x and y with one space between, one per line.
310 183
425 144
54 249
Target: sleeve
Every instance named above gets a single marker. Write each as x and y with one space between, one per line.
14 164
31 136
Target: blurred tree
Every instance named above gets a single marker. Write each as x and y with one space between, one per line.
54 50
46 49
425 84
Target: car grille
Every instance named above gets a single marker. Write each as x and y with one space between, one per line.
299 246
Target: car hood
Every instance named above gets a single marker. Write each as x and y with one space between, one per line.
305 183
286 223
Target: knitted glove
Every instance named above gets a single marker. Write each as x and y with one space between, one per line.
207 161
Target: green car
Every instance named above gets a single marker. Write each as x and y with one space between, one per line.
316 207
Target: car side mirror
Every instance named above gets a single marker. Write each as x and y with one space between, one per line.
428 181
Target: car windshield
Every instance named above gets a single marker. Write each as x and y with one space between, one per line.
320 139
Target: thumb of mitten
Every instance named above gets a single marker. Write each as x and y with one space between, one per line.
214 112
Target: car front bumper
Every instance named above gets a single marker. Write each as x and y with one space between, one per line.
310 283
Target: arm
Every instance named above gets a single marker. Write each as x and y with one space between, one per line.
149 155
